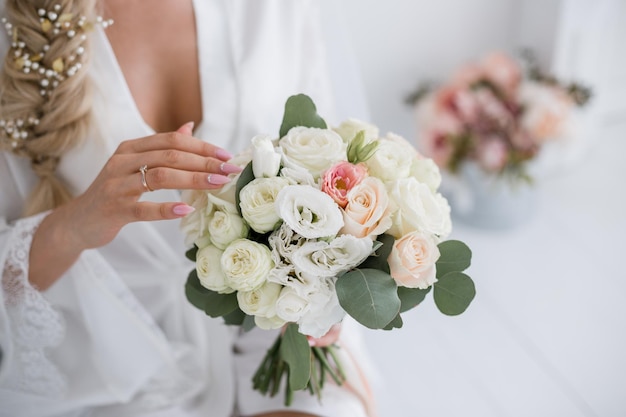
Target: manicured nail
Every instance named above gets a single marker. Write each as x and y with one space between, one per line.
217 179
227 168
223 155
183 210
311 342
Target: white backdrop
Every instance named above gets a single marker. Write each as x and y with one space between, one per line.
545 335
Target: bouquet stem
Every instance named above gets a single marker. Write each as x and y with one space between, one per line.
278 367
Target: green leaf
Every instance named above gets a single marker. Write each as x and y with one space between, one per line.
244 178
248 323
410 297
191 253
370 296
295 350
235 317
378 260
218 305
455 256
195 292
453 293
300 111
396 323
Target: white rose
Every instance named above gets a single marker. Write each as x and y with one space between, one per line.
265 159
323 259
308 211
312 148
246 264
323 310
269 323
298 176
260 301
226 226
390 161
412 260
418 208
257 200
209 270
368 211
348 129
426 170
195 225
290 305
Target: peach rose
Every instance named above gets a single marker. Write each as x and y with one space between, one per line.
412 260
338 180
367 211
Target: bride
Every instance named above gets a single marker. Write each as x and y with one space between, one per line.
102 121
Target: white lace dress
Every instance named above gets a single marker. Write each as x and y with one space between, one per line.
115 335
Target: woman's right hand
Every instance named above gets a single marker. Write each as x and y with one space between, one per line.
175 160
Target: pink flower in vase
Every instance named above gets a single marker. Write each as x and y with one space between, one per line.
467 75
503 71
546 111
493 154
341 178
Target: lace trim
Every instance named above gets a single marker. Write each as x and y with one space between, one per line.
35 325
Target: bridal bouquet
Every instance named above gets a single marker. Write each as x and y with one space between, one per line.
496 113
322 223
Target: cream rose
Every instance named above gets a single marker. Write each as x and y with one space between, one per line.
260 301
246 264
349 128
257 203
312 148
290 305
265 159
209 270
367 213
426 170
226 226
309 212
195 225
412 260
390 161
418 208
269 323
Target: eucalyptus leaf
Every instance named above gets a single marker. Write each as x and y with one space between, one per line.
300 111
195 292
191 253
295 350
248 323
453 293
370 296
218 305
244 178
454 256
411 297
396 323
378 260
235 317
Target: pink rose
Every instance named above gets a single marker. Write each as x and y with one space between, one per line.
412 260
367 211
338 180
503 71
493 154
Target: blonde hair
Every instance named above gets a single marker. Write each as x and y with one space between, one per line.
45 92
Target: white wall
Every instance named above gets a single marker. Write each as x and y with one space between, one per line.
400 43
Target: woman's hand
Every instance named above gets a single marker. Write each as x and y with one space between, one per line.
175 160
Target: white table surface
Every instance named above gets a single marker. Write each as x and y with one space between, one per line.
546 333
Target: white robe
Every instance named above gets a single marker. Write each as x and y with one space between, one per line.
115 335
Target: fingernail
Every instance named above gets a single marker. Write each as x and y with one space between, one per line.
223 155
183 210
311 342
217 179
230 168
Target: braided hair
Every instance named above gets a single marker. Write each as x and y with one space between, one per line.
45 92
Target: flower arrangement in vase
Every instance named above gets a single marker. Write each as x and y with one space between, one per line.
485 125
